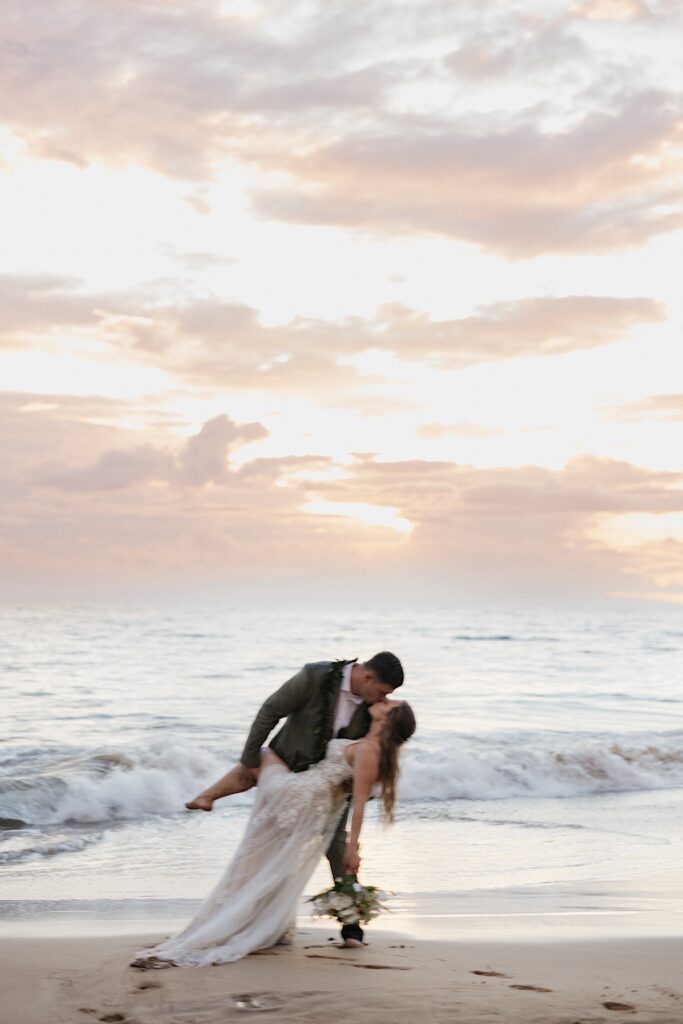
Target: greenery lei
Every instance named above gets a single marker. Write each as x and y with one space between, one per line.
329 689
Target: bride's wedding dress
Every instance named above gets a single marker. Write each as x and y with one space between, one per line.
292 823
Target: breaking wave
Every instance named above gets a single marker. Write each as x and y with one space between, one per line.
542 765
107 787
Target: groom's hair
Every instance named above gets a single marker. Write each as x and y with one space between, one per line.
387 668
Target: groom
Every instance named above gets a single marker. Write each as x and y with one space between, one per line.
325 699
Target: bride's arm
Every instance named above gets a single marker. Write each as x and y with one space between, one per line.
365 772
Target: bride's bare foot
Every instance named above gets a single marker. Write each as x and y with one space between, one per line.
200 803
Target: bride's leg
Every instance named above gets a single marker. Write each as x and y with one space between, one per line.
238 780
268 757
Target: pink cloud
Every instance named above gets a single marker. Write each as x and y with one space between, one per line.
171 86
612 10
586 485
518 45
40 303
112 509
609 182
432 431
201 460
319 93
113 470
215 343
657 407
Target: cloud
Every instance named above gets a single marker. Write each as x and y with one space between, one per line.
214 343
661 562
348 100
41 304
141 104
521 45
655 407
523 327
612 10
113 470
586 485
103 505
197 261
55 406
179 511
515 530
62 429
434 431
610 181
201 460
173 86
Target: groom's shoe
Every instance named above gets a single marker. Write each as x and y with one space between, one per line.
352 935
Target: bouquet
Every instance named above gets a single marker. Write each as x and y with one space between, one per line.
349 902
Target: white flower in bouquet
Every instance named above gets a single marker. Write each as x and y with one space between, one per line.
339 902
349 902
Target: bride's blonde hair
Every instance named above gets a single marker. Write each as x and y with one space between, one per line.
399 725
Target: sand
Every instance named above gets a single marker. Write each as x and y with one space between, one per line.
397 978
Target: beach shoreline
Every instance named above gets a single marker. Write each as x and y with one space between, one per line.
398 976
616 908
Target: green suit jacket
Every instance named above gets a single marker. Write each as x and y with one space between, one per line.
307 701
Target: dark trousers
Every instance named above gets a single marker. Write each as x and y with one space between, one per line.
335 851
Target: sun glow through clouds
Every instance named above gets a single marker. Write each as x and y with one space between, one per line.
370 515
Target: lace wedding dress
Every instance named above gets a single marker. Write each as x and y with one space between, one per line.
292 823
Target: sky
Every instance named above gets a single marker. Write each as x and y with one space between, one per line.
376 297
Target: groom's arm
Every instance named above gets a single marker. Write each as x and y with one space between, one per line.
291 696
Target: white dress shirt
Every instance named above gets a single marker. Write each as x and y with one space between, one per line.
347 701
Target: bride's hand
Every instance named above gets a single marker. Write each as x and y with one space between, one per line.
351 860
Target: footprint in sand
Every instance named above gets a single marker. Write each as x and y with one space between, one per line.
531 988
337 945
322 956
257 1001
491 974
611 1005
379 967
350 963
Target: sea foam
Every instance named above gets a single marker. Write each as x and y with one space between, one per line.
156 780
542 765
105 786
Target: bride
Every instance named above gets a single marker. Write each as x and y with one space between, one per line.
292 822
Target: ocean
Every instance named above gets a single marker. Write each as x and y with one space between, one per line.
545 778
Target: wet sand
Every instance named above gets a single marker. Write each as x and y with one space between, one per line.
396 978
